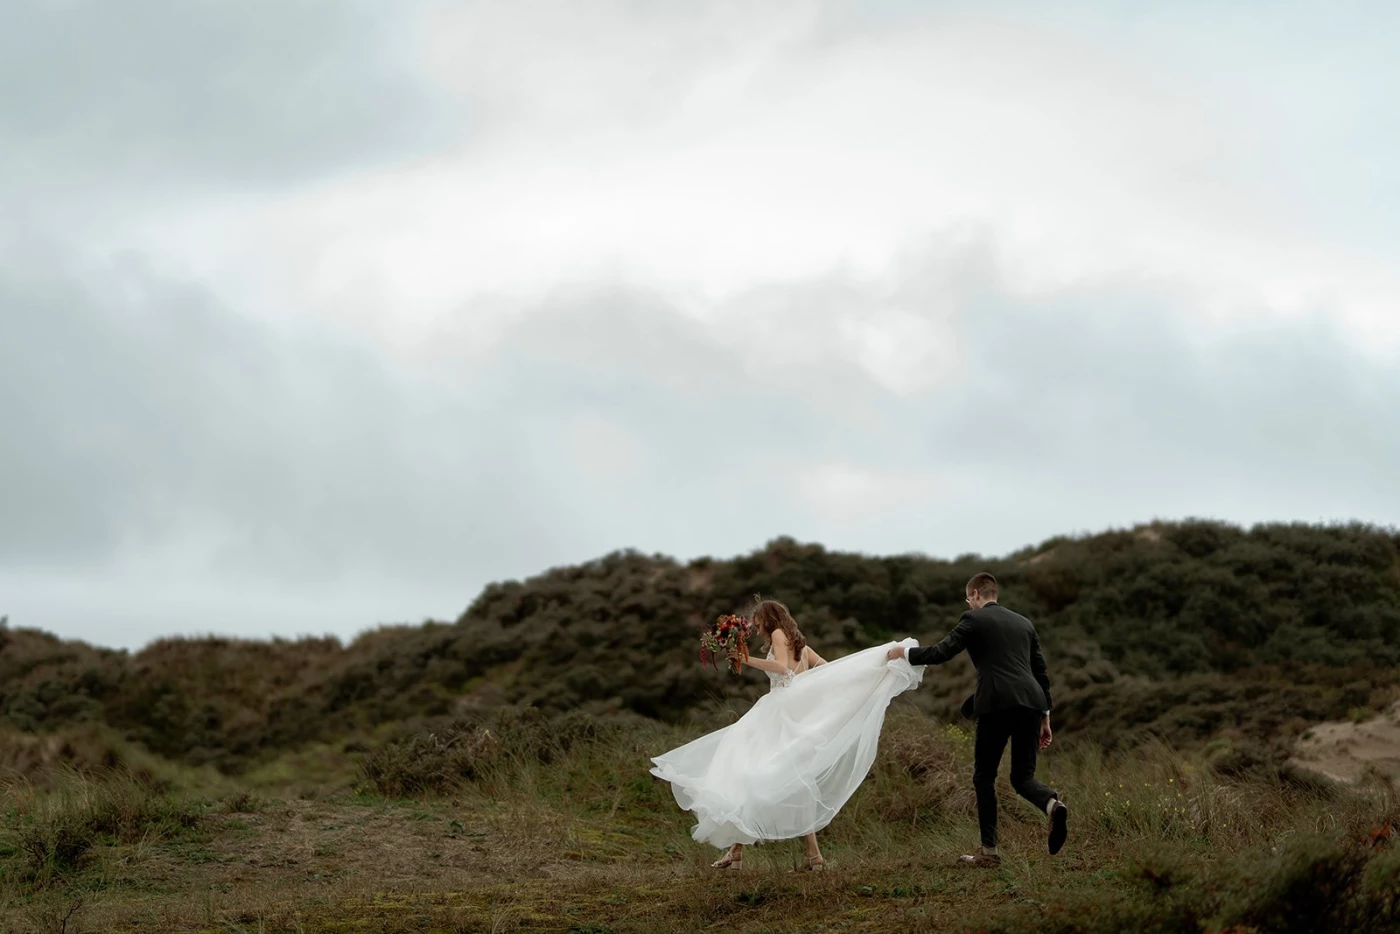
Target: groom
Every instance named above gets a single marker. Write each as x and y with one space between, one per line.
1012 703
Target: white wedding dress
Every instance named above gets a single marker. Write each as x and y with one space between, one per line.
787 766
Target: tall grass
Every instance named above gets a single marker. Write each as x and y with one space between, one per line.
49 833
569 830
920 782
1168 840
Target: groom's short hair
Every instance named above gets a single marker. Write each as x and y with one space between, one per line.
983 583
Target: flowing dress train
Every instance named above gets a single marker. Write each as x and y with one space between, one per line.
785 768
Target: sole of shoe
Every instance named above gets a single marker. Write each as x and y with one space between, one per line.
1059 829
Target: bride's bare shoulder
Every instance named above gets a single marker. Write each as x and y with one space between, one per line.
779 637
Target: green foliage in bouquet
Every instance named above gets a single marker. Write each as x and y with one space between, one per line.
727 636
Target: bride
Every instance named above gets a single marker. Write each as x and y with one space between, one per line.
787 766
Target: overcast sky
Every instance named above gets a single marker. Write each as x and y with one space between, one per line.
317 315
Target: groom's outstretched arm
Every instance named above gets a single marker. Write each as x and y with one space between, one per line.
952 644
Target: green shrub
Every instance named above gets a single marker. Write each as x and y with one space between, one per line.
1155 898
1240 758
429 763
52 833
922 772
1175 631
1316 884
441 759
1320 884
243 802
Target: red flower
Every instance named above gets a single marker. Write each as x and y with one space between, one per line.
727 636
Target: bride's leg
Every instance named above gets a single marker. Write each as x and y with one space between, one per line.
735 855
814 853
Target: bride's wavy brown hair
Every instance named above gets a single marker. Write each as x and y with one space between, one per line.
769 615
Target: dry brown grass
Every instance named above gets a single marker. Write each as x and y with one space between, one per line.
584 841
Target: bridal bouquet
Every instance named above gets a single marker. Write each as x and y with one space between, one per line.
727 636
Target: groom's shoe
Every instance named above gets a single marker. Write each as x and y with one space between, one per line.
1059 825
982 859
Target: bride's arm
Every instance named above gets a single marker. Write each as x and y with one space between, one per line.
813 659
781 663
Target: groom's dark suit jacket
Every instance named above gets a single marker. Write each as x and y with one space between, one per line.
1006 650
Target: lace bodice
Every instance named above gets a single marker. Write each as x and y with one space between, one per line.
782 681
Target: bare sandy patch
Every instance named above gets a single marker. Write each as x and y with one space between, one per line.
1344 751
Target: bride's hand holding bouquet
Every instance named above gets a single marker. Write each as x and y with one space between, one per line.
726 637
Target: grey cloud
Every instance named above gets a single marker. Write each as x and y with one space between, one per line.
171 465
1096 406
1112 385
155 96
142 418
138 409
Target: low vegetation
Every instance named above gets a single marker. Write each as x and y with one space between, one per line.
563 830
490 774
1171 631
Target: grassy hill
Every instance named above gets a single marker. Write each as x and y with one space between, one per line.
556 829
1178 631
489 774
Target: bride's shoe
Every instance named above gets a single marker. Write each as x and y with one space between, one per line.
811 864
729 860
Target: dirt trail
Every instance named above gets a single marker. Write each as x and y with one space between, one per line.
1343 751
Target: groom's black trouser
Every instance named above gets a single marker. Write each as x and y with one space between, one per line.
1020 725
